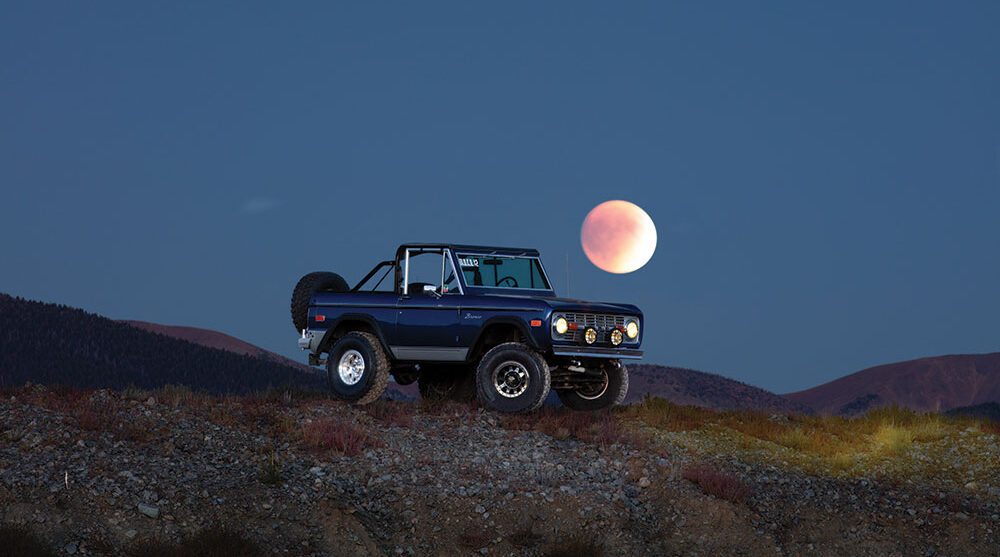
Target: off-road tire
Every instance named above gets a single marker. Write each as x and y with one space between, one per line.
613 393
319 281
447 383
374 377
511 359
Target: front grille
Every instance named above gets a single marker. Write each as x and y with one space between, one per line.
603 323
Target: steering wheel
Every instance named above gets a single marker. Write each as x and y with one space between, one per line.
511 282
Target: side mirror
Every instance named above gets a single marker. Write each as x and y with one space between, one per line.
430 290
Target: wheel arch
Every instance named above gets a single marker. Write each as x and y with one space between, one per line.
498 330
353 322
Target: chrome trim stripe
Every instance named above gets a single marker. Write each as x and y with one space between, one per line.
435 353
350 305
494 308
393 305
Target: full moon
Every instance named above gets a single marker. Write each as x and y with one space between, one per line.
618 236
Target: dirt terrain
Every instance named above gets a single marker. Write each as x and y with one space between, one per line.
101 472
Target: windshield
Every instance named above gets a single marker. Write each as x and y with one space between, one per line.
502 271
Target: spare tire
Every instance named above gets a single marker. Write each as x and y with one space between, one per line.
319 281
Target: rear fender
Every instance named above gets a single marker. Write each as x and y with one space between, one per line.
349 322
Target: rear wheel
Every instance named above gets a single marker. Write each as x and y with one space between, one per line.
512 378
357 368
600 394
319 281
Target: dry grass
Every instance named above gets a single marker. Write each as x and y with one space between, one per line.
667 416
880 444
890 430
892 439
337 434
399 414
716 482
270 466
601 427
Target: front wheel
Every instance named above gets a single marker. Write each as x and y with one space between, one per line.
610 391
512 378
357 368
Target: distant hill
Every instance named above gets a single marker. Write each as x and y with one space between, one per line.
57 344
933 384
708 390
221 341
988 410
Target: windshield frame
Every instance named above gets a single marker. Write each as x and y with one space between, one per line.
473 289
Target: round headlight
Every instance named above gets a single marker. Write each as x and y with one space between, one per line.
632 329
561 325
616 337
590 335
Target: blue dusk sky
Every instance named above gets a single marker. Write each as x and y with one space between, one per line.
825 180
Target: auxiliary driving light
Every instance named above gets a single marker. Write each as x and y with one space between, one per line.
590 335
632 329
561 325
616 337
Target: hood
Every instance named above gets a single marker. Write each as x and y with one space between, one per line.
581 306
574 306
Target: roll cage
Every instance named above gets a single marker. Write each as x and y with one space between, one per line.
450 253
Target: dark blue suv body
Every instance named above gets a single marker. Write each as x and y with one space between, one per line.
466 321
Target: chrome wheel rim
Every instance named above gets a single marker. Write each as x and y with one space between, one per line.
511 379
351 367
592 393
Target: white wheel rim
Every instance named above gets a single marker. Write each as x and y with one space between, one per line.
580 393
351 367
511 379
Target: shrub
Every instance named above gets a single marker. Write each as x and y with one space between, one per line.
18 540
716 482
96 415
930 428
841 462
893 439
337 434
270 467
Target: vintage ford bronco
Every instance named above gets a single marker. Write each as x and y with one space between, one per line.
464 321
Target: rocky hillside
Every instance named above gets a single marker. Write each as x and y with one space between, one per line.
170 472
933 384
707 390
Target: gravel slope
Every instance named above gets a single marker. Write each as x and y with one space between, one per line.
444 481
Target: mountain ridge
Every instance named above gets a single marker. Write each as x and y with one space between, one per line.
931 384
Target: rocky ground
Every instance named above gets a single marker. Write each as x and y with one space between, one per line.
109 473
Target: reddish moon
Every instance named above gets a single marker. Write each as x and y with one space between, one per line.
618 236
